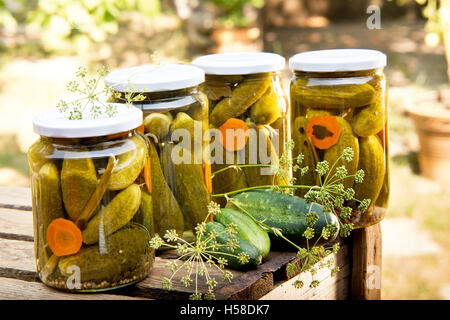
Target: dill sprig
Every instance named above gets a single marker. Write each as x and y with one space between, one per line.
91 101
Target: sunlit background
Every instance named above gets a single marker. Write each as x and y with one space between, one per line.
43 42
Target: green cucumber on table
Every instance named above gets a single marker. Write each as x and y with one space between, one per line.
286 212
247 229
222 238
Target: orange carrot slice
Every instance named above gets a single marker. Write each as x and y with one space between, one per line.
238 131
64 237
148 175
324 131
207 175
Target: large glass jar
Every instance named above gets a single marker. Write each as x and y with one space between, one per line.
91 206
248 119
176 121
339 100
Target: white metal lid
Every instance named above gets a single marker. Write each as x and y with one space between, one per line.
52 123
338 60
152 78
240 63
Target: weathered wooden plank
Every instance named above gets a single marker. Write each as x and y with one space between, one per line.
13 289
330 288
16 224
256 283
15 198
366 263
16 254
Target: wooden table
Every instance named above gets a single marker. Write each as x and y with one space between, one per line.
359 260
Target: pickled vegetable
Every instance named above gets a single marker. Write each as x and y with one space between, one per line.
78 182
125 252
228 180
346 139
114 216
157 124
191 192
369 120
50 205
193 127
303 145
267 109
166 210
258 176
38 153
338 96
372 161
243 96
144 215
130 164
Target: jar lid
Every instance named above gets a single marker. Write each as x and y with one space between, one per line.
337 60
240 63
52 123
152 78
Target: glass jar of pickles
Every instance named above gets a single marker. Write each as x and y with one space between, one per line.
92 209
176 121
248 116
339 100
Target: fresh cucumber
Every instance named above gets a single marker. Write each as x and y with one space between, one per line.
285 212
246 228
222 238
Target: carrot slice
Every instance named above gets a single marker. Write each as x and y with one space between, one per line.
238 131
141 128
148 175
324 131
64 237
207 175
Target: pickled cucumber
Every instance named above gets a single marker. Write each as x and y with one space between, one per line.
157 124
369 120
167 214
243 96
372 161
267 109
114 216
282 132
130 164
199 110
49 204
228 180
191 192
254 150
167 164
144 215
127 252
303 145
195 129
332 96
37 154
346 139
78 182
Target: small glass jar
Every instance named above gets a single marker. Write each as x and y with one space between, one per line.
248 116
176 121
339 100
92 210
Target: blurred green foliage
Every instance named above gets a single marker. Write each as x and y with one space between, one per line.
234 11
6 18
73 25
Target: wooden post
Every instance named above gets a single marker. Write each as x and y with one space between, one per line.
366 263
